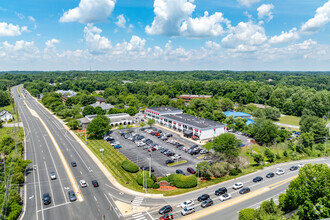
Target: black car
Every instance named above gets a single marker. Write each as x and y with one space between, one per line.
194 152
203 197
270 175
244 190
147 169
164 151
180 172
72 196
165 209
293 168
46 199
74 164
220 191
169 161
207 203
257 179
95 183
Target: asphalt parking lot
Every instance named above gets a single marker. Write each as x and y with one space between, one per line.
141 156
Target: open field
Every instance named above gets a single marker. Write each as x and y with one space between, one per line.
289 120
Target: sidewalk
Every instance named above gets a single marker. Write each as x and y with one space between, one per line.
20 124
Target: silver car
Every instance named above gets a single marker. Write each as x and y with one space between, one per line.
188 210
52 175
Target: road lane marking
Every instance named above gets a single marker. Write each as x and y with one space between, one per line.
64 162
54 206
50 186
149 215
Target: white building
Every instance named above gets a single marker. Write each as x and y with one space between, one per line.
67 93
6 116
115 120
187 124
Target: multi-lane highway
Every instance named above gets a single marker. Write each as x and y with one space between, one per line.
51 148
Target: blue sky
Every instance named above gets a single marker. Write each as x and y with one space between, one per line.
165 35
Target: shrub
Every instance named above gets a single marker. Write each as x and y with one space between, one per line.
129 166
148 181
278 156
235 172
182 181
155 185
247 214
164 178
285 153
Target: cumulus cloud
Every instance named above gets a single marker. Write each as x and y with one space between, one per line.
174 18
248 3
96 43
246 36
121 21
10 30
52 42
321 18
265 10
89 11
285 37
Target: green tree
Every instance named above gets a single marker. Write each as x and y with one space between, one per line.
34 92
219 116
131 111
247 214
270 155
258 158
99 126
272 113
4 99
241 124
307 139
264 131
99 110
226 104
227 144
203 169
88 110
73 124
151 122
314 125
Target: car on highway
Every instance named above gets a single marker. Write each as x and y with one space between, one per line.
244 190
270 175
191 170
169 161
300 165
220 191
188 210
203 197
117 146
46 199
72 196
280 172
293 168
207 203
73 164
257 179
187 203
165 209
166 216
95 183
224 197
238 185
180 172
52 175
83 183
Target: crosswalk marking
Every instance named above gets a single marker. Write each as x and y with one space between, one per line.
137 201
139 216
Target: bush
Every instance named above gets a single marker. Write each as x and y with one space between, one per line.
129 166
164 178
149 181
155 185
247 214
182 181
285 153
235 172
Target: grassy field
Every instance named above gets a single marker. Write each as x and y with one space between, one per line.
10 132
289 120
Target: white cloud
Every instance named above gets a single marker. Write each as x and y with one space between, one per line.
174 18
96 43
89 11
121 21
52 42
32 19
285 37
20 51
265 10
248 3
19 15
10 30
246 36
321 18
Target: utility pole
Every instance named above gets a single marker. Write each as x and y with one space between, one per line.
15 120
150 164
326 136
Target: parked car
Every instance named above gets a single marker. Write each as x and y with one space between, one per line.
203 197
224 197
188 210
176 157
187 203
270 175
244 190
220 191
280 172
72 196
207 158
238 185
204 151
166 216
46 199
169 161
164 150
74 164
147 169
293 168
191 170
165 209
83 183
117 146
257 179
207 203
152 149
52 175
180 172
95 183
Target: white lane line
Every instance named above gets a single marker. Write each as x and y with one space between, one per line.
55 206
140 218
42 212
111 204
95 198
137 214
50 186
35 189
150 215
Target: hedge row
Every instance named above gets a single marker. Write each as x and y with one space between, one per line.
150 182
129 166
182 181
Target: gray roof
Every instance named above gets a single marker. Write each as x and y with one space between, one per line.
194 121
103 105
163 109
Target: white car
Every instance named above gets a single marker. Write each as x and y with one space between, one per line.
187 203
83 183
176 157
300 165
238 185
280 172
224 197
52 175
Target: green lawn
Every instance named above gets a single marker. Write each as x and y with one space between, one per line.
289 120
10 132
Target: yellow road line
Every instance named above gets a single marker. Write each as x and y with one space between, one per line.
73 181
236 200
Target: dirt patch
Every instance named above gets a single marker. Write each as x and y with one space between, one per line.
166 188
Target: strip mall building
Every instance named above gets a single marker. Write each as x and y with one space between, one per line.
189 125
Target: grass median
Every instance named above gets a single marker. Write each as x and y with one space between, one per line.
177 163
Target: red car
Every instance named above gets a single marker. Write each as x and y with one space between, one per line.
152 149
166 216
191 170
